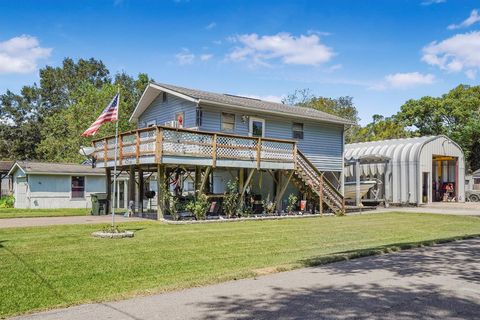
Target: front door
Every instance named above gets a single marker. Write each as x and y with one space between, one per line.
257 127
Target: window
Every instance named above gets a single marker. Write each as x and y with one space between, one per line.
257 127
198 118
78 187
164 97
297 130
180 118
228 122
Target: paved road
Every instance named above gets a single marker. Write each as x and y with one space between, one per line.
50 221
440 282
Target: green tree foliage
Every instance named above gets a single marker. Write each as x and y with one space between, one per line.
381 128
45 122
455 114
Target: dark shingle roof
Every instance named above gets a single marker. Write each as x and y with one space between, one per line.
58 168
256 104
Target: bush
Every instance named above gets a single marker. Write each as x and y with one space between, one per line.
7 202
292 202
198 207
230 200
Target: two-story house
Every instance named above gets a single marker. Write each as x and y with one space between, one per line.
271 148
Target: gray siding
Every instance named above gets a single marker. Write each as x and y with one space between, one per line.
322 142
162 112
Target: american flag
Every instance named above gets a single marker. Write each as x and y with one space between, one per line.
109 114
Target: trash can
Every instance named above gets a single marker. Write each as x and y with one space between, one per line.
99 204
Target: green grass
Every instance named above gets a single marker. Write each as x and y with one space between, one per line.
47 267
30 213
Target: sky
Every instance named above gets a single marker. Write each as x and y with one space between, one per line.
381 53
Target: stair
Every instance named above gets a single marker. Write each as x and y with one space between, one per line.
323 188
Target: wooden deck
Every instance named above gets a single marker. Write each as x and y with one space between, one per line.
166 145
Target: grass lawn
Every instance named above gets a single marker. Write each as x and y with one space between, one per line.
47 267
29 213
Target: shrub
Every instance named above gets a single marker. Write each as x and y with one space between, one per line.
198 207
292 202
230 200
7 202
268 206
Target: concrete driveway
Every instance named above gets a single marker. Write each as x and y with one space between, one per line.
466 208
50 221
440 282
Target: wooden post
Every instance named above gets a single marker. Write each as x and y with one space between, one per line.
259 153
278 200
159 145
105 152
295 155
204 180
137 147
108 187
120 147
247 182
198 178
141 190
214 150
160 191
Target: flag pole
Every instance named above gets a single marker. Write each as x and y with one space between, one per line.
115 200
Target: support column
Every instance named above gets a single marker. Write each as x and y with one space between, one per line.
125 194
161 189
131 185
108 189
358 201
198 178
278 186
141 190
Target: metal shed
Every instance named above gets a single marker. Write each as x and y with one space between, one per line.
419 169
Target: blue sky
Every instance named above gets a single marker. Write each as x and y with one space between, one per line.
381 53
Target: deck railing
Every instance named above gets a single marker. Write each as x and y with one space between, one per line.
151 145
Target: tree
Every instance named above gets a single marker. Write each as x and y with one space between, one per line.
44 122
61 131
455 114
382 128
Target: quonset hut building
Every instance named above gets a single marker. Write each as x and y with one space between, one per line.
414 171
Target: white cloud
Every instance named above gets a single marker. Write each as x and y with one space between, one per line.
302 50
206 57
471 74
429 2
211 25
185 57
472 19
404 81
271 98
455 54
21 54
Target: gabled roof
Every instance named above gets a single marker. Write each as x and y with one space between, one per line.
231 101
33 167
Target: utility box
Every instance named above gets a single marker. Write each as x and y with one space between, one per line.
99 204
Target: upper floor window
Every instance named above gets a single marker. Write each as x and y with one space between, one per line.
297 130
228 122
198 118
78 187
